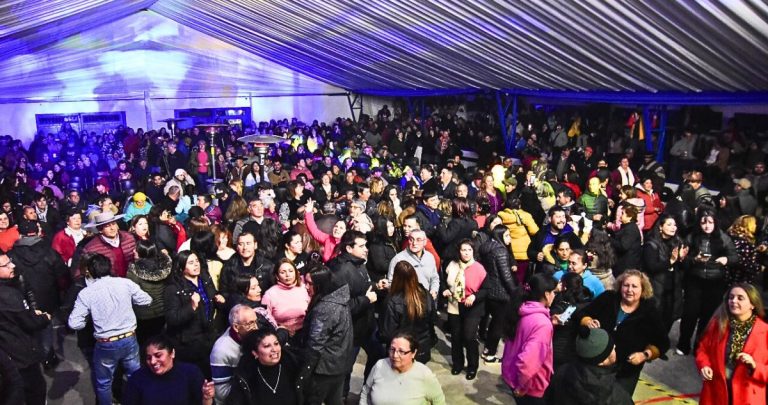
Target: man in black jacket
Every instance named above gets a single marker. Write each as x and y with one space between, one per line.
73 202
18 325
47 214
349 268
557 228
246 262
41 269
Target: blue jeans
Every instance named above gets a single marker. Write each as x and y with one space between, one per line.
106 357
202 183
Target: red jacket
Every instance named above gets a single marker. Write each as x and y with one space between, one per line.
8 238
748 388
653 208
119 264
64 245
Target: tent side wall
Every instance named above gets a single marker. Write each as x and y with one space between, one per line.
20 117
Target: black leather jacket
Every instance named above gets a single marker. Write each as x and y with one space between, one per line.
498 261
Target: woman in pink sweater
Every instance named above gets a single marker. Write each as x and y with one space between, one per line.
287 301
329 242
527 363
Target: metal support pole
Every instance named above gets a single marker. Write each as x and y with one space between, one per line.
409 104
250 106
148 110
661 145
512 140
423 110
355 103
213 156
351 108
647 127
503 107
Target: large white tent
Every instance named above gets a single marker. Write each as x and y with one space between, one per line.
113 52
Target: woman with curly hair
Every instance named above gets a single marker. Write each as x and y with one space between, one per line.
742 233
632 318
494 196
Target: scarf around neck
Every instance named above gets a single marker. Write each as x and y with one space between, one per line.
738 336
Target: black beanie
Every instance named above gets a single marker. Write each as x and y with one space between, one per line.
593 345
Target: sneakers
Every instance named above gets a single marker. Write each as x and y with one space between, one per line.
492 359
680 352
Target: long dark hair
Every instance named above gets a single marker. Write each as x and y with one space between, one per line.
146 249
379 233
243 284
203 243
533 290
497 233
599 244
664 245
573 289
323 283
715 238
177 271
460 207
405 281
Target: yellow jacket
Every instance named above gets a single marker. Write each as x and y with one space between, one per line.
521 227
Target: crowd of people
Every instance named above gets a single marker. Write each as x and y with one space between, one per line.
263 287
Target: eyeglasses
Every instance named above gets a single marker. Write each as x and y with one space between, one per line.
393 351
249 324
6 264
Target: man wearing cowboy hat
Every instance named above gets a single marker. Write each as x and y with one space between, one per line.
118 246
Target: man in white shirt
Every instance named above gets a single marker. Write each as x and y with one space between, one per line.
109 302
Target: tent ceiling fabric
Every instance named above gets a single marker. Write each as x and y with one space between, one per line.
630 45
382 45
147 52
28 25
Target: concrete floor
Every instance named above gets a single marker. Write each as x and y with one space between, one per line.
674 381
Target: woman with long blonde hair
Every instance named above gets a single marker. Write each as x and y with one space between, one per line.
732 354
742 233
377 188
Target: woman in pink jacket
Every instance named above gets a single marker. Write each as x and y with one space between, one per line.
288 300
328 242
527 363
